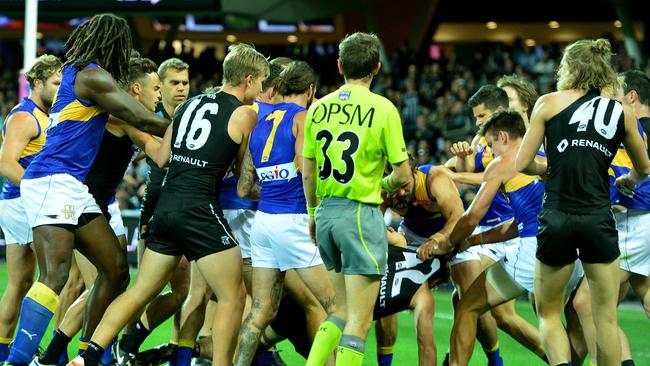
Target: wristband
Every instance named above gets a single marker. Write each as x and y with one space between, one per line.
310 211
385 184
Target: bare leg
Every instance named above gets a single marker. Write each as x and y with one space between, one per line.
21 266
463 275
604 284
550 283
154 273
228 287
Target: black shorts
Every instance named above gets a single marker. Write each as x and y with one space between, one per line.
195 232
564 237
290 322
403 279
150 199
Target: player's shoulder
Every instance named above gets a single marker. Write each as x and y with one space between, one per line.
19 117
244 113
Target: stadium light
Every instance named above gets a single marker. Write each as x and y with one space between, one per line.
292 38
231 38
553 24
491 25
618 24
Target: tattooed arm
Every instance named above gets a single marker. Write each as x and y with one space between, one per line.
246 187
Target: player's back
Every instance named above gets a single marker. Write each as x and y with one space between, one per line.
581 142
353 132
622 164
525 194
201 151
74 133
272 147
112 160
423 216
34 146
499 210
228 198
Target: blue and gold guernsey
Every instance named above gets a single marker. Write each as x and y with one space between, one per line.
74 133
228 198
423 216
622 165
525 194
499 210
10 190
272 147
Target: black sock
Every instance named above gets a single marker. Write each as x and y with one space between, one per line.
627 363
57 346
135 339
93 354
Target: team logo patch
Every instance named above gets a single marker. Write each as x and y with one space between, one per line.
344 95
68 212
225 240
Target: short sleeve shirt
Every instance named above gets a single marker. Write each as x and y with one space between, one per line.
352 133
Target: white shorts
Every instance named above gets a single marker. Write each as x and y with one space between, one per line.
241 224
415 241
13 222
494 251
634 240
519 264
282 241
116 222
56 199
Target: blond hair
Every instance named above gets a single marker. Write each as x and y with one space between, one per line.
586 65
524 89
243 60
43 67
172 63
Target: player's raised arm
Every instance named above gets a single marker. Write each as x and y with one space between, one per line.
240 126
99 86
533 139
442 188
469 220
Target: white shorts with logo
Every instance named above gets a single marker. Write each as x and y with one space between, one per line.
13 222
282 241
494 251
634 240
56 199
241 224
415 241
519 264
116 222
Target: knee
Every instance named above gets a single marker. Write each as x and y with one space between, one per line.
386 336
181 289
53 279
19 286
262 311
503 319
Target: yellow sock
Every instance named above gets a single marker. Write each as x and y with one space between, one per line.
348 357
385 350
493 349
5 340
327 338
540 351
186 343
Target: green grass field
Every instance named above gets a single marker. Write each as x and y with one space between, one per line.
633 322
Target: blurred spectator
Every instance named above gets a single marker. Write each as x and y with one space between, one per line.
430 94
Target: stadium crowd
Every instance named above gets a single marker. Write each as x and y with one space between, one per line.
431 94
253 189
